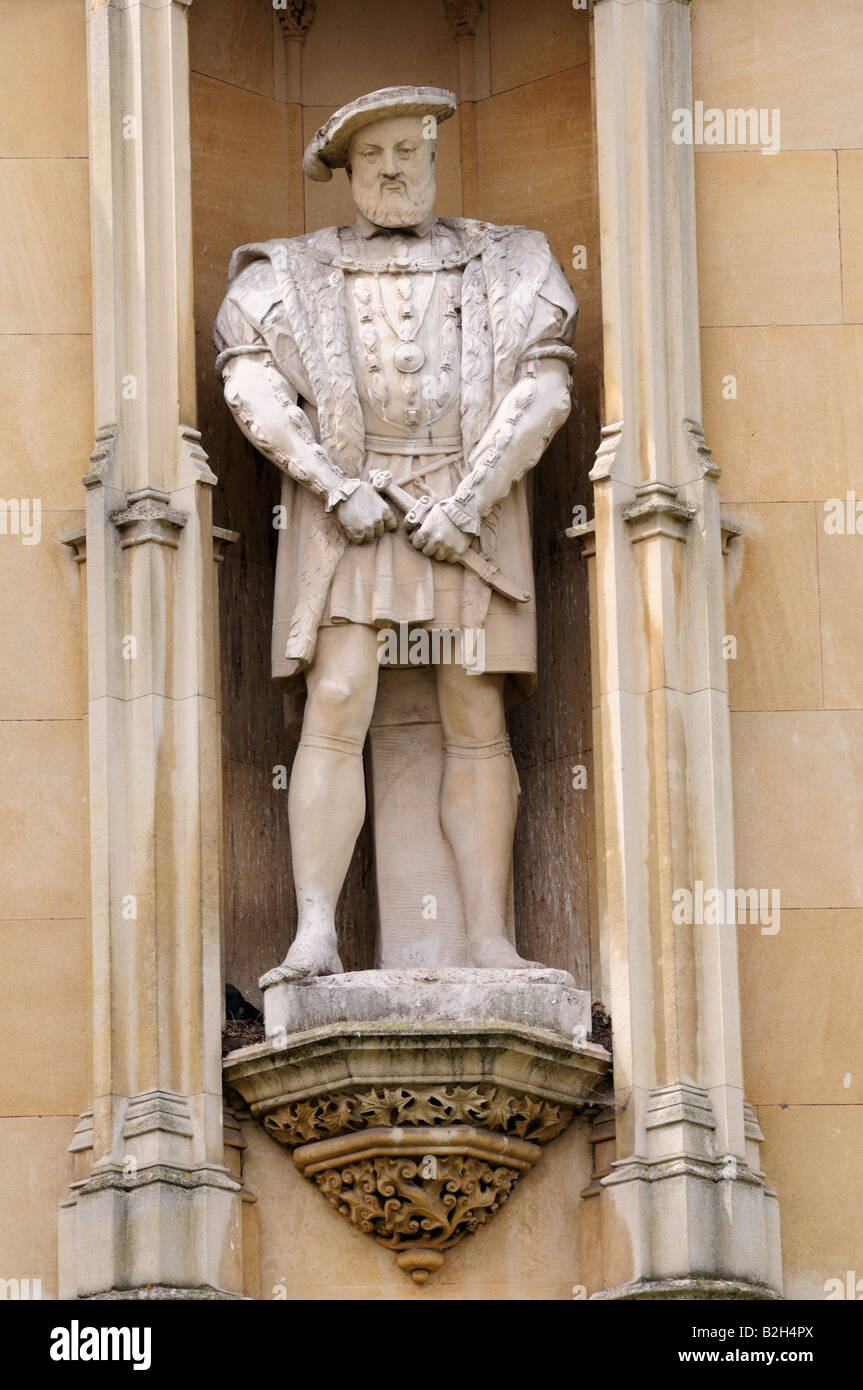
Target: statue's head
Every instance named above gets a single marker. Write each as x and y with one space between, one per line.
387 142
391 169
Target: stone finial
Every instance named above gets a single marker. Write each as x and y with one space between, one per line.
462 17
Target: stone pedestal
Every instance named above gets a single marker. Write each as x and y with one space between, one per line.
538 998
416 1099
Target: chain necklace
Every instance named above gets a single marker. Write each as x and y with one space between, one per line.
408 357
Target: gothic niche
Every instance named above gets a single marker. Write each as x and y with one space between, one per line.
404 374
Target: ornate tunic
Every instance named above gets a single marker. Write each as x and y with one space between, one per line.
400 359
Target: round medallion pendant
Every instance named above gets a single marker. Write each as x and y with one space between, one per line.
409 357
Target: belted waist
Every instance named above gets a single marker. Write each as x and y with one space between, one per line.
383 444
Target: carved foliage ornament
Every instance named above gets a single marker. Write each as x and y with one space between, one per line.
498 1108
415 1136
410 1166
417 1190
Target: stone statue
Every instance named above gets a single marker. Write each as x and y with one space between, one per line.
404 373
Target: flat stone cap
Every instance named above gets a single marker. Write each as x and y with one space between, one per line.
328 148
537 998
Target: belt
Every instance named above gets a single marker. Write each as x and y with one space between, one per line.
408 448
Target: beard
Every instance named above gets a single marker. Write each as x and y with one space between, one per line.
398 205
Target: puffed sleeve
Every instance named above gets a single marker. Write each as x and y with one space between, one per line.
553 324
250 297
252 321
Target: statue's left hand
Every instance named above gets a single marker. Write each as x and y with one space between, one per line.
440 538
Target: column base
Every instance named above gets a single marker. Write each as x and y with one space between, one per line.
162 1291
157 1233
693 1289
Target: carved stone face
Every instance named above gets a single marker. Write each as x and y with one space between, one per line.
391 169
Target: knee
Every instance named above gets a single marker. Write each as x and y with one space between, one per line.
471 709
339 704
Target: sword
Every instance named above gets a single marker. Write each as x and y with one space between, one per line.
415 512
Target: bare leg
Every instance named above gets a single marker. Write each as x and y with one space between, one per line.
327 797
479 804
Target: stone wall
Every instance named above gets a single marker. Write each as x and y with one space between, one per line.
781 303
46 434
781 282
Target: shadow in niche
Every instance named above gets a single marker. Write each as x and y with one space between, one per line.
552 732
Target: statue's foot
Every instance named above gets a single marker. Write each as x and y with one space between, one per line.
314 952
496 953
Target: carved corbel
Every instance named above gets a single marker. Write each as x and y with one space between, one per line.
102 457
194 457
77 542
222 538
704 460
417 1136
586 533
606 454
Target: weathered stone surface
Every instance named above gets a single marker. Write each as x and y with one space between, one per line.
535 998
384 473
414 1131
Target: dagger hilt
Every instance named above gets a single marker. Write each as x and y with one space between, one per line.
415 512
415 509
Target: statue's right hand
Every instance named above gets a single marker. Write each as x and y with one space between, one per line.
365 514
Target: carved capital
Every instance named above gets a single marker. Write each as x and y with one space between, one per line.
463 17
296 18
147 517
657 512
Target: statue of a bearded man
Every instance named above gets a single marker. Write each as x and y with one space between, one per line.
404 357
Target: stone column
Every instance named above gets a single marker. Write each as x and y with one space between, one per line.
292 21
154 1208
463 17
684 1207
